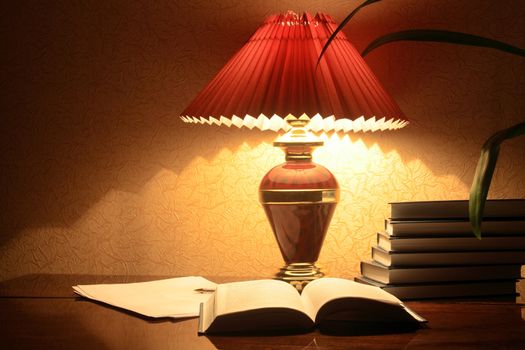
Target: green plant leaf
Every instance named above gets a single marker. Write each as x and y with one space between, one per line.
341 26
485 171
443 36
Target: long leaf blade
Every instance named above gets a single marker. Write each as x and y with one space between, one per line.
481 184
485 171
443 36
341 26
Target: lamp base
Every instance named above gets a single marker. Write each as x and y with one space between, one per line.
299 274
299 198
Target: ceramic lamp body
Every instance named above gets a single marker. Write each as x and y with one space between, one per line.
299 198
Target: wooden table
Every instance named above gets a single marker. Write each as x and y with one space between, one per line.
41 312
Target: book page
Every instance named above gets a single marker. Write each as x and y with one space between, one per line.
252 295
319 292
173 297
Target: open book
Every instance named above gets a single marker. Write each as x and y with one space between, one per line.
271 305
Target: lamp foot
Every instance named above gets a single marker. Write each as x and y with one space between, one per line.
299 274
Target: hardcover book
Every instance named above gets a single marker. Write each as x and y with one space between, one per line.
452 228
456 209
271 305
447 243
446 290
392 258
395 275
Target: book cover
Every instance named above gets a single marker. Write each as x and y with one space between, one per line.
394 275
393 258
456 209
448 243
446 290
452 228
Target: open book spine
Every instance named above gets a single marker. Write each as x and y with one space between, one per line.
206 314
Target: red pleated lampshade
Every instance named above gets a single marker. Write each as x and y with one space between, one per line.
274 74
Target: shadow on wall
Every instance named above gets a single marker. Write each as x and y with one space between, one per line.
93 92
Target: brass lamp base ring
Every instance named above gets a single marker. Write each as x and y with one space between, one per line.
299 274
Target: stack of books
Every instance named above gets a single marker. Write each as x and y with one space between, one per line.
428 250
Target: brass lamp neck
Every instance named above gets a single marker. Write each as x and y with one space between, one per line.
298 153
298 143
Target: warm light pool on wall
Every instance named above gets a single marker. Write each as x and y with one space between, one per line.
274 83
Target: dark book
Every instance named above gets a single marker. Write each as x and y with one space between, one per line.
456 209
392 258
438 228
448 243
446 290
271 305
394 275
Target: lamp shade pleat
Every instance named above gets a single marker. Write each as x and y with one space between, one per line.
276 74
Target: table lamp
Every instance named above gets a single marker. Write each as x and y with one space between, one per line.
274 83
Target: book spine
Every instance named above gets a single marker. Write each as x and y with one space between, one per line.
449 244
447 258
446 290
439 274
454 209
452 228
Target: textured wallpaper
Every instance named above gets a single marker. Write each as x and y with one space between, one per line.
100 176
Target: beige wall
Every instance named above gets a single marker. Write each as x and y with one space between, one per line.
100 176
